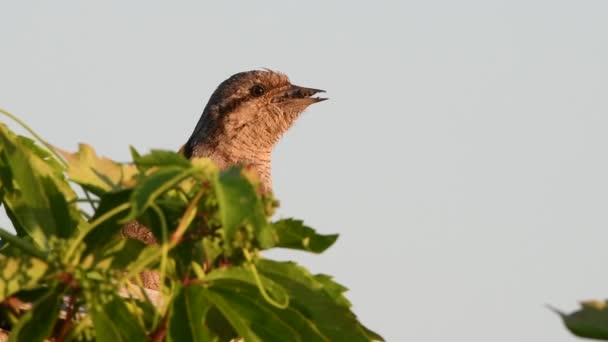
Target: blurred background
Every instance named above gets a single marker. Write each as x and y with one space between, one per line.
462 155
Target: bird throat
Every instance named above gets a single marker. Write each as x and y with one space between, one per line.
233 152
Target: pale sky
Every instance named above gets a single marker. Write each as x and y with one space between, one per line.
462 155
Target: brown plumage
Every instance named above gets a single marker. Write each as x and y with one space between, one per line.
245 117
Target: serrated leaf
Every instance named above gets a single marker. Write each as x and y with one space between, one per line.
187 316
37 324
591 321
295 235
323 306
267 322
18 273
334 289
239 204
98 174
241 273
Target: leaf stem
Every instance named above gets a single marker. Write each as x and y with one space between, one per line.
78 200
88 197
187 218
260 286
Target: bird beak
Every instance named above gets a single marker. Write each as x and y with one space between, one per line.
300 95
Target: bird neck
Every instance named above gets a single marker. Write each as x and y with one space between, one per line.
227 153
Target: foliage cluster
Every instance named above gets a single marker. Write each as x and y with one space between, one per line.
68 275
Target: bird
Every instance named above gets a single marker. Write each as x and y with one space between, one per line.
243 120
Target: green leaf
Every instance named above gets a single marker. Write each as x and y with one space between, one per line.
591 321
148 258
227 298
18 273
256 316
153 186
335 290
161 158
318 303
41 152
217 323
134 153
240 273
240 205
37 324
115 323
187 316
20 244
107 230
295 235
236 316
13 144
66 215
95 173
122 252
38 196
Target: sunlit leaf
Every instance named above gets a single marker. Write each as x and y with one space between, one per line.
98 174
17 273
42 153
37 200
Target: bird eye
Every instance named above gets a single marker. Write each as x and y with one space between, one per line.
257 90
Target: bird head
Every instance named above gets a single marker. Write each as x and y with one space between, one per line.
250 111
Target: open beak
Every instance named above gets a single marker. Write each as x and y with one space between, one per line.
300 95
